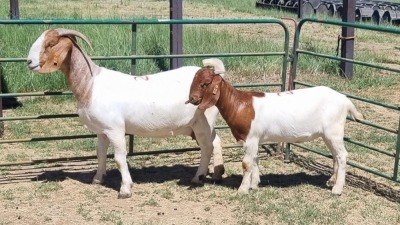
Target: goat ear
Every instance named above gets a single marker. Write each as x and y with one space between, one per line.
211 94
56 56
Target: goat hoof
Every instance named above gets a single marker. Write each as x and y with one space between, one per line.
202 178
97 181
218 172
124 195
199 180
330 183
243 191
254 187
336 190
217 180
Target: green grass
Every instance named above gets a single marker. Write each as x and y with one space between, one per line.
111 216
85 212
113 11
298 203
166 193
14 157
152 40
44 190
151 202
271 203
244 6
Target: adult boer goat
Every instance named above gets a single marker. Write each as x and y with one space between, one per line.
112 104
292 117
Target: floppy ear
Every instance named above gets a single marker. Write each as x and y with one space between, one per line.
57 55
211 94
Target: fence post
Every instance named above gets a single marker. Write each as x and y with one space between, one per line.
1 102
133 72
14 9
133 48
175 33
300 9
397 155
14 15
347 47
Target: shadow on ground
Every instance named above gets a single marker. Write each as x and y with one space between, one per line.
353 180
84 172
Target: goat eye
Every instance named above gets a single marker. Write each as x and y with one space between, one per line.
204 85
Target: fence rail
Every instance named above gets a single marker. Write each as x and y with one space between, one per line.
133 57
298 51
284 54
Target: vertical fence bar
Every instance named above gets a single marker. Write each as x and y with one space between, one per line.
1 102
175 33
295 57
296 51
347 50
133 48
131 145
300 9
286 157
133 72
286 59
14 9
397 156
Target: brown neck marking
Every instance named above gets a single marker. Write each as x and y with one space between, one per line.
80 74
236 107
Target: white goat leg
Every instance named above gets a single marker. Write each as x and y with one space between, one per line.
318 112
255 175
333 138
249 160
203 135
332 180
144 107
341 159
102 144
117 140
218 161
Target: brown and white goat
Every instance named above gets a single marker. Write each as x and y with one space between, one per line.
112 104
292 117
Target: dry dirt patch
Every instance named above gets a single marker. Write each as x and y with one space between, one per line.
61 192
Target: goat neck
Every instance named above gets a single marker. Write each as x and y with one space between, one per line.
236 107
80 71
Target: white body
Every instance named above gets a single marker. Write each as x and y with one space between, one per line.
112 104
294 116
151 106
299 116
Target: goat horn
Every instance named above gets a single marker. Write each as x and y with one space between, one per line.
65 32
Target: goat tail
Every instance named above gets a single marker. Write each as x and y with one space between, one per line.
217 64
352 110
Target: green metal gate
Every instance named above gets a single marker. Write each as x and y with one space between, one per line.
285 59
298 51
284 54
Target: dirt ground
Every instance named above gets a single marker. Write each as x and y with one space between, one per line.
61 192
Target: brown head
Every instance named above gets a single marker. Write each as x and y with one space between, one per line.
51 50
205 88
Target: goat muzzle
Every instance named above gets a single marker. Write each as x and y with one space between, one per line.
193 101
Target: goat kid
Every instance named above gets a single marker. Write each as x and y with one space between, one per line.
112 104
292 117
